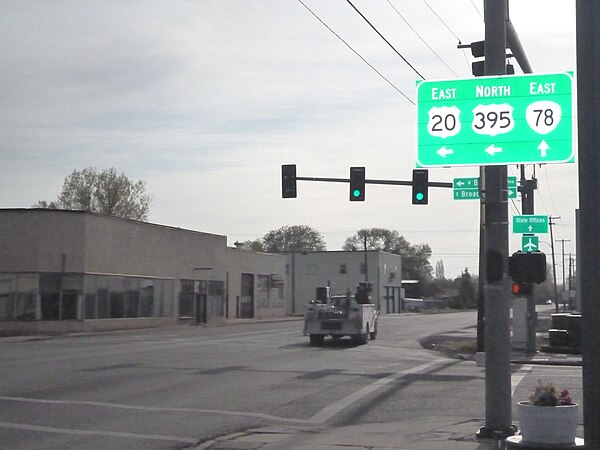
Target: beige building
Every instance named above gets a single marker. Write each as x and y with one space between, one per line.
340 270
79 271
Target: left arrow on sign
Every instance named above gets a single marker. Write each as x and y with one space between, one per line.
443 152
492 150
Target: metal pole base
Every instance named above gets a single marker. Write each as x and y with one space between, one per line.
517 442
487 433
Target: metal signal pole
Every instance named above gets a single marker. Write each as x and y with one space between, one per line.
498 395
588 106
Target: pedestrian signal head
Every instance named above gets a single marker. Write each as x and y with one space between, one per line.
520 288
529 267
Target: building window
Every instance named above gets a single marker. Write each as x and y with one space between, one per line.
68 296
216 299
50 296
262 291
186 298
343 268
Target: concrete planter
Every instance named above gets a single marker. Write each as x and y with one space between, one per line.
547 424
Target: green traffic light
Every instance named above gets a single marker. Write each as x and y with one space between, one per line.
356 193
419 196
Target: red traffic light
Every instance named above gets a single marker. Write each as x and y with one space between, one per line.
520 288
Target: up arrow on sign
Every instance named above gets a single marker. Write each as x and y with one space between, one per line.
530 224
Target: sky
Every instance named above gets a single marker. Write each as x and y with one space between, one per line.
205 100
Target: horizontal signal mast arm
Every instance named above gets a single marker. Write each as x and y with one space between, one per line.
388 182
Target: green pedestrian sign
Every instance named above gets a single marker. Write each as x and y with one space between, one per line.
468 188
530 224
530 243
496 121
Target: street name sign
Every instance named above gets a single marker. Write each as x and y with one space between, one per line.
530 224
496 121
468 188
530 243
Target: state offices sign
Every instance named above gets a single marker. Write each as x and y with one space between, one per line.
496 120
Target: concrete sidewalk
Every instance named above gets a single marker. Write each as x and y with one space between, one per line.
431 433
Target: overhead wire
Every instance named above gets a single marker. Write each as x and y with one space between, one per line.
420 37
476 9
356 53
442 21
448 28
386 41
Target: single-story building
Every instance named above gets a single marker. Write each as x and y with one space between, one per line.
79 271
342 271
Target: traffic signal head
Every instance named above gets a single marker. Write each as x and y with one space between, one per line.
527 267
521 288
288 181
357 184
494 266
420 187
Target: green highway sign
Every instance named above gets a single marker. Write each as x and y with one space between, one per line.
496 120
468 188
530 243
530 224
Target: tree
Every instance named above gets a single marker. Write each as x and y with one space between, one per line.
255 245
104 192
439 270
415 258
292 238
466 297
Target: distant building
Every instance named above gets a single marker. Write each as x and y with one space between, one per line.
79 271
341 270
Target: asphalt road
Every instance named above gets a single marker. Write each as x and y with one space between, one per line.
172 388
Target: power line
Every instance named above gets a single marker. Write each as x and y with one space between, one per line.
422 40
442 20
386 41
449 29
356 53
476 9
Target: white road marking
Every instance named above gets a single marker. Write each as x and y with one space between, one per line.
153 408
518 376
331 410
120 434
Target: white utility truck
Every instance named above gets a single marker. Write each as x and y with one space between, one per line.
341 315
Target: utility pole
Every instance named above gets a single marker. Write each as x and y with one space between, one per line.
562 241
588 107
527 188
498 401
550 219
570 281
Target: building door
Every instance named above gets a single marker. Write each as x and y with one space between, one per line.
200 299
247 297
201 313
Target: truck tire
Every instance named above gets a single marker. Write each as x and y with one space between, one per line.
373 334
360 339
317 339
